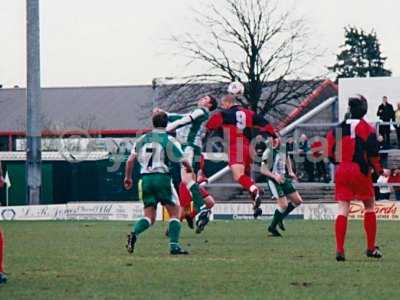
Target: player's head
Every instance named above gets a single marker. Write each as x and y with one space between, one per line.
228 101
160 120
385 99
208 101
303 137
358 106
274 143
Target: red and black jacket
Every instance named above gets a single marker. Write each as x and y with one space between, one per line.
354 141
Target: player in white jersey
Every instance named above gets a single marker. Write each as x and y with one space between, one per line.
190 130
277 166
155 151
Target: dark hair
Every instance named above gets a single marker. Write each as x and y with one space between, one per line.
358 106
160 120
214 103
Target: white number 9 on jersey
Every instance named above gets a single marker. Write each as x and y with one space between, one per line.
241 120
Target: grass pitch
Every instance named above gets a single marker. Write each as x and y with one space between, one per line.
230 260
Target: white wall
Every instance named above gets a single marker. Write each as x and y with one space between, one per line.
371 88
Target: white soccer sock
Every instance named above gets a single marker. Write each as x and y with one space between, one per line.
253 188
281 209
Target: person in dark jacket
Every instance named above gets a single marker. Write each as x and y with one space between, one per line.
385 114
290 152
304 148
259 148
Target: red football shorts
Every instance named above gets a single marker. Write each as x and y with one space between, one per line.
185 198
240 155
351 184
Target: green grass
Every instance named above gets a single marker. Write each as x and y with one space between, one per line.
231 260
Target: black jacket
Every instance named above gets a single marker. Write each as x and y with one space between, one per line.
386 112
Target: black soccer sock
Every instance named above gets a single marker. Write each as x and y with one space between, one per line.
278 216
288 210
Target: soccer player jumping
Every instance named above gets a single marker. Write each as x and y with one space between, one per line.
237 123
154 151
191 130
353 146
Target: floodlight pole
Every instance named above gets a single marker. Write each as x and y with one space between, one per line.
33 93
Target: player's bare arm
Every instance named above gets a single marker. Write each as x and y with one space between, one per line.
128 183
184 120
188 167
289 166
265 170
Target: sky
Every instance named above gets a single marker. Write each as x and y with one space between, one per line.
126 42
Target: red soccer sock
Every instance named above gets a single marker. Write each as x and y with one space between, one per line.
340 231
1 252
185 198
370 229
246 182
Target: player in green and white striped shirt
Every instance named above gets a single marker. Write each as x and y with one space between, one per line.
276 165
155 151
190 129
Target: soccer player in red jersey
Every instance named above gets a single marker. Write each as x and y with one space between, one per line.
353 147
3 277
237 123
187 210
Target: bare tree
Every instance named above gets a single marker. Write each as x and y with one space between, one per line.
253 42
87 122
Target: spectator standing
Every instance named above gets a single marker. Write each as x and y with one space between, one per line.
383 155
397 120
259 148
395 178
304 150
385 114
289 150
317 153
384 191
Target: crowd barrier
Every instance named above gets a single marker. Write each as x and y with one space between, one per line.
111 211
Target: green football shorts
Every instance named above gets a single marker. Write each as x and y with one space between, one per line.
157 188
281 190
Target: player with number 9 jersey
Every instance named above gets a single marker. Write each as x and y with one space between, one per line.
237 123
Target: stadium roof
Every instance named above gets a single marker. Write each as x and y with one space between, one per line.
125 107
